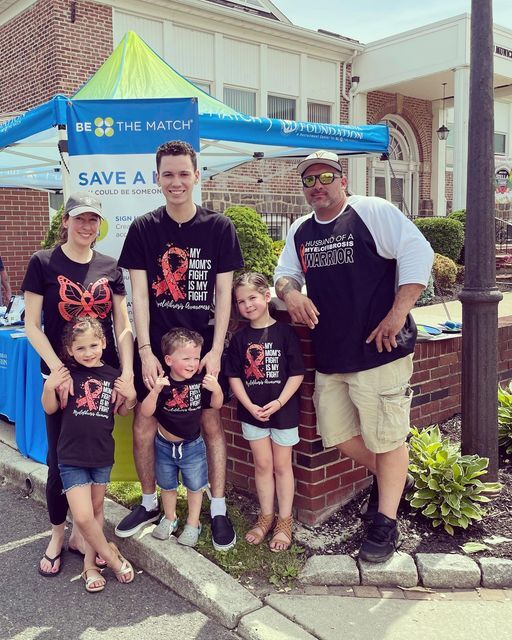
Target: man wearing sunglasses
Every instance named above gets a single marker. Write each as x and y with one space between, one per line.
364 265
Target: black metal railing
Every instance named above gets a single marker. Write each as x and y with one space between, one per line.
278 224
503 231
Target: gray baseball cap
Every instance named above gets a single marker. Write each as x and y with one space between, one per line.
82 202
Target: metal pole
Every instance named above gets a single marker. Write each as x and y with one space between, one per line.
480 297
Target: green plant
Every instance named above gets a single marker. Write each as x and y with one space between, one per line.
427 295
459 215
52 235
445 235
505 417
447 486
444 272
278 247
256 244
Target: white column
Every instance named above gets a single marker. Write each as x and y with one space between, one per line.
460 151
438 186
302 101
357 165
261 107
218 71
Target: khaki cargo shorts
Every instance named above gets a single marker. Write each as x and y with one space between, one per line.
374 404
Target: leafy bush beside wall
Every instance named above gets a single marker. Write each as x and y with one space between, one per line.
445 235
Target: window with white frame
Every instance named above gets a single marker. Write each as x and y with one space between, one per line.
203 85
242 100
281 108
318 112
500 143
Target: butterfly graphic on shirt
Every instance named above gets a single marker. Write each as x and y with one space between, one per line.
174 265
78 301
254 362
179 399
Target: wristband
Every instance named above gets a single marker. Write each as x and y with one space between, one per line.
280 403
144 346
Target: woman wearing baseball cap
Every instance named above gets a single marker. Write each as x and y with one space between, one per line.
67 282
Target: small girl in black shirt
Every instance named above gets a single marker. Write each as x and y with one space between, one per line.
85 448
265 370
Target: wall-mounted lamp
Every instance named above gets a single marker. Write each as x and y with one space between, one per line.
354 82
443 131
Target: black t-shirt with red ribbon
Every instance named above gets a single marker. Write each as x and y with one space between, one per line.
264 359
72 290
181 263
88 419
179 407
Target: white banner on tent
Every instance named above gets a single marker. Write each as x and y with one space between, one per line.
112 146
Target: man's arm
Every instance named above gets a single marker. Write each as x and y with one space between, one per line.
4 278
151 367
223 284
385 332
299 306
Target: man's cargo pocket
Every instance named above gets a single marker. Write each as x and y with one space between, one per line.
394 409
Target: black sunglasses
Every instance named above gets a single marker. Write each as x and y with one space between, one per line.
327 177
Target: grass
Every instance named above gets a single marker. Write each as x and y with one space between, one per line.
245 560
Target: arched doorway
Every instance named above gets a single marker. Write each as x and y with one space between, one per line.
404 170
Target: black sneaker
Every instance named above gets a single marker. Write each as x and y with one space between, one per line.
371 505
381 540
135 520
223 533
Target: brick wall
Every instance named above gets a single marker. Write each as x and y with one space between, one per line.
23 224
44 53
324 480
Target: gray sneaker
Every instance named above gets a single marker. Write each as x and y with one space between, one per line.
190 535
165 528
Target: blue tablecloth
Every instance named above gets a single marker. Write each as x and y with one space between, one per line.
21 385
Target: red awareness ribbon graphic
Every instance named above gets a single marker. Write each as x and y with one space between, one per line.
178 399
172 278
92 389
252 370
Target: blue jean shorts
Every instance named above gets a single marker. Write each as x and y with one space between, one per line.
187 457
72 477
283 437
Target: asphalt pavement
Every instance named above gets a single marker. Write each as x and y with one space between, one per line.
33 607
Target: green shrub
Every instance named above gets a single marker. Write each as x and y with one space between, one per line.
52 235
447 486
427 295
256 244
444 272
505 417
446 236
459 215
278 247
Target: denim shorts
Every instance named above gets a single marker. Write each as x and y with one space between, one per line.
79 476
283 437
187 457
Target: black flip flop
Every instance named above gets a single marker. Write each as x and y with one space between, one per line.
52 561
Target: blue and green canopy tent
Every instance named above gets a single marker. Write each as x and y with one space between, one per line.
29 143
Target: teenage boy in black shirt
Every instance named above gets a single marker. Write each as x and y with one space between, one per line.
179 256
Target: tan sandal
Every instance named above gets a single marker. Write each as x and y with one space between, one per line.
283 526
261 527
91 580
126 567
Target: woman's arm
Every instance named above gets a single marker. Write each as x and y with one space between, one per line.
33 310
124 335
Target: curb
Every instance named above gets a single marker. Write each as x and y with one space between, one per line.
186 572
221 597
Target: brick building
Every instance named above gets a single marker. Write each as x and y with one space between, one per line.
250 56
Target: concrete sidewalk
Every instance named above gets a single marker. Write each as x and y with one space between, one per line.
437 313
365 611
